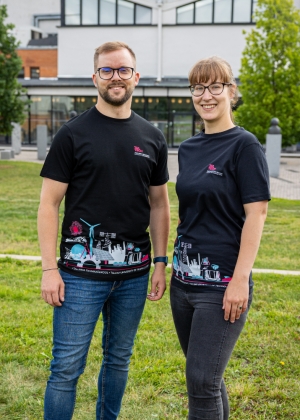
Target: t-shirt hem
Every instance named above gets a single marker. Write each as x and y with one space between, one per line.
106 277
247 200
160 182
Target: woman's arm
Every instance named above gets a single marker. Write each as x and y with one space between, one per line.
237 293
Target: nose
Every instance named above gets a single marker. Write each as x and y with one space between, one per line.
115 75
206 94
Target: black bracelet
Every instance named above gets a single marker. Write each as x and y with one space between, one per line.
48 269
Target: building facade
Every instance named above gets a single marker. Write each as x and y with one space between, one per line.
167 36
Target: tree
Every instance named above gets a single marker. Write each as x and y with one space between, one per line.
12 106
270 71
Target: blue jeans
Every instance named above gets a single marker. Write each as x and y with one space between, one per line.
207 341
121 304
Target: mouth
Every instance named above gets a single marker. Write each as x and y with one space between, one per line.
116 88
211 106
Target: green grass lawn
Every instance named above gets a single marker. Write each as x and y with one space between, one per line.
262 376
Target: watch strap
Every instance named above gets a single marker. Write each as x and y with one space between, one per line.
160 259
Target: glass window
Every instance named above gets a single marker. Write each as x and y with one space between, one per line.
21 73
204 11
143 15
89 12
72 12
242 11
185 14
34 72
107 12
222 11
125 12
40 114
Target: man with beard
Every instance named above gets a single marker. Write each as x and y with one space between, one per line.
111 167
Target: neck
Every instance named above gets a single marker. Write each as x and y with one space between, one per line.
119 112
212 127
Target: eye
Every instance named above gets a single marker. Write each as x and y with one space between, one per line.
106 69
124 70
216 86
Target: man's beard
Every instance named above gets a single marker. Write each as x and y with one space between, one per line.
104 93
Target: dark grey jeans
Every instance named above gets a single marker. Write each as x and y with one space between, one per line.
207 341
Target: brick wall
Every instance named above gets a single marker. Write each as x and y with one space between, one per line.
44 59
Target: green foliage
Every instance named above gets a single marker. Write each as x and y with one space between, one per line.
12 106
270 71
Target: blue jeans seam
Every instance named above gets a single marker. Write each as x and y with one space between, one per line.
104 361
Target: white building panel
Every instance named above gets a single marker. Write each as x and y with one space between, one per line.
184 45
76 52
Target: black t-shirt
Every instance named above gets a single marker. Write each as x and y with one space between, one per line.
109 165
218 174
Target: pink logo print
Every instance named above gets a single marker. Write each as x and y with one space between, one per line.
211 167
137 149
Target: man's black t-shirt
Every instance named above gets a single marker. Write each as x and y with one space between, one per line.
218 174
108 165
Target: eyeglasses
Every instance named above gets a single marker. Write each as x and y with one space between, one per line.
107 73
214 88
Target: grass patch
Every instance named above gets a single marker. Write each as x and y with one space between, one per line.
262 376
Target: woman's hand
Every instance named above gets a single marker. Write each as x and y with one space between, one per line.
235 301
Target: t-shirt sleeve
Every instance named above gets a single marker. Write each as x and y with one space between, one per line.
160 174
59 161
252 174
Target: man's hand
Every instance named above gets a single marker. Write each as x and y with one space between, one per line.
53 288
158 282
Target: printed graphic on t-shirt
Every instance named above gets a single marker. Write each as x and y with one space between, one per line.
139 152
191 269
213 170
103 253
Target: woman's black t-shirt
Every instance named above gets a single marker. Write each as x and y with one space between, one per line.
218 174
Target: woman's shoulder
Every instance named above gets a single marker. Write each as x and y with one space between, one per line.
246 137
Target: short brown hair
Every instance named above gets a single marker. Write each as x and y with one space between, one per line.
109 47
215 69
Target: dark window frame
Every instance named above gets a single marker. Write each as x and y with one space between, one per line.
249 22
63 20
38 72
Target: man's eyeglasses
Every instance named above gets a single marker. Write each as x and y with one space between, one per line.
107 73
214 88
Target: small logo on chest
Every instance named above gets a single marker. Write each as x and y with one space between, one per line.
213 170
139 152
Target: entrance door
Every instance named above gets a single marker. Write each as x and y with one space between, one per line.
182 127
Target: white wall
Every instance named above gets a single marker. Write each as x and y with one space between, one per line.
21 12
77 47
182 47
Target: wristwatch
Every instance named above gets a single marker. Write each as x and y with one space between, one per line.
160 259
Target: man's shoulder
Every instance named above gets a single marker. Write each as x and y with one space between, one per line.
80 119
140 121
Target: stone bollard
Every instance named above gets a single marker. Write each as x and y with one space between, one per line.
273 148
41 134
5 154
16 138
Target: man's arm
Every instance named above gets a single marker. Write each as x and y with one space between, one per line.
237 292
52 193
159 231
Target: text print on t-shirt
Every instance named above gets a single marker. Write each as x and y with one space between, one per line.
139 152
212 170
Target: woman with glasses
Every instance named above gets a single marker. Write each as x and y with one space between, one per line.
223 192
